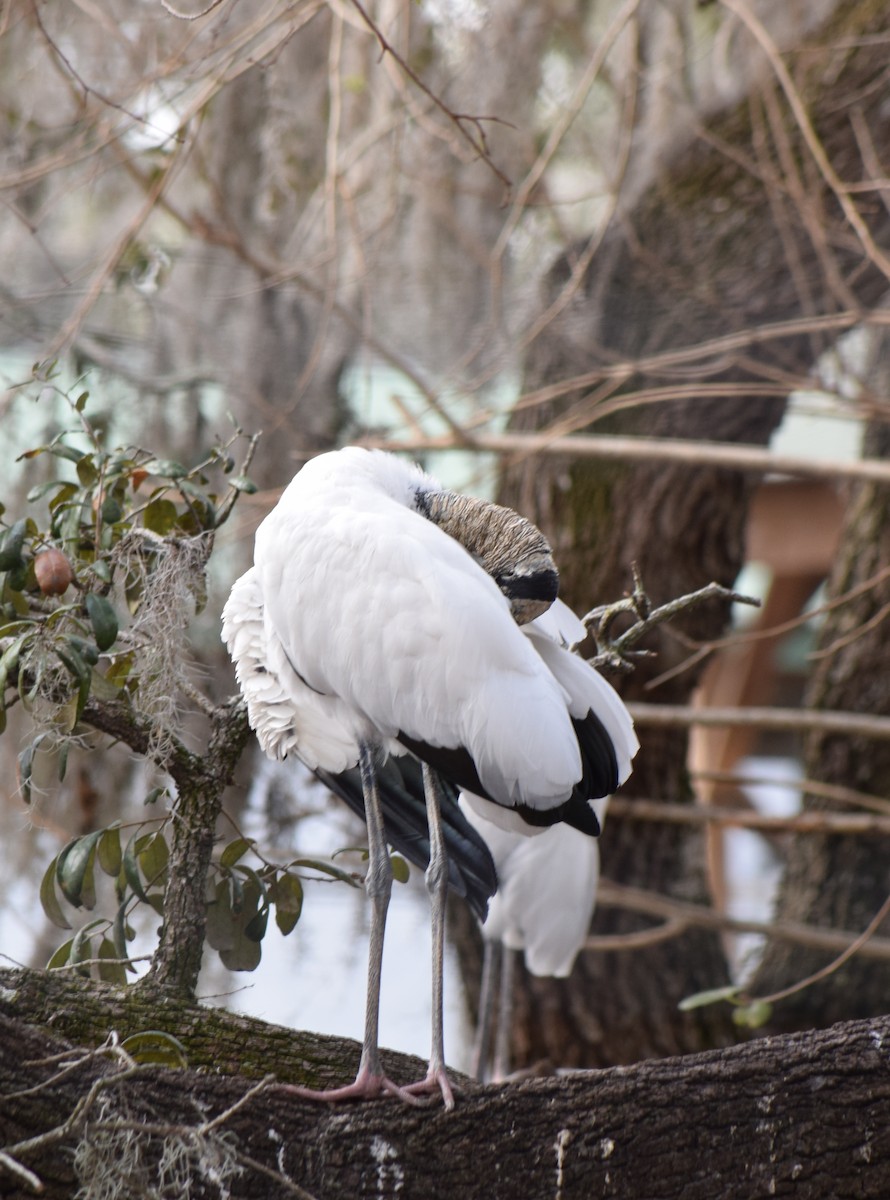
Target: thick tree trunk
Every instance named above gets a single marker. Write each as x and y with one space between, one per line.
805 1115
725 242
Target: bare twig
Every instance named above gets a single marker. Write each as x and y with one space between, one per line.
608 943
790 720
741 637
615 895
616 652
175 12
735 457
233 493
459 120
855 947
18 1169
809 787
847 824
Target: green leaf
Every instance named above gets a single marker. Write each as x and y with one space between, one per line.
111 510
11 546
103 619
228 922
49 899
326 868
286 892
74 870
221 925
109 851
69 712
255 929
81 673
243 484
61 956
167 468
64 493
401 872
87 650
26 766
131 868
160 516
235 850
119 933
87 472
156 1047
753 1015
710 996
60 450
81 401
82 946
119 670
153 859
245 955
101 688
63 760
111 969
9 661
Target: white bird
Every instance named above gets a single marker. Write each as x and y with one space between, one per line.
547 878
547 884
387 612
542 909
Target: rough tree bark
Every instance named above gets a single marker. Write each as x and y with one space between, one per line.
804 1115
728 241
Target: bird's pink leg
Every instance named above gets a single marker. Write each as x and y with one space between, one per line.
437 885
370 1081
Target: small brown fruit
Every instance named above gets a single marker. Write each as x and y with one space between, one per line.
53 572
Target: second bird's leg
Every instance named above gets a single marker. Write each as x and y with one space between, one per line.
370 1080
437 887
501 1066
492 953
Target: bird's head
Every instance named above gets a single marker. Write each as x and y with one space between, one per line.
508 547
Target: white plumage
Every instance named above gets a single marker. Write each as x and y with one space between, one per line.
365 629
378 608
546 893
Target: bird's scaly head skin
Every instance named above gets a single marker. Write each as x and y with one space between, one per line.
509 548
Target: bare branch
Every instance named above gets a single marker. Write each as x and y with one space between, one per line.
856 946
614 895
841 824
735 457
790 720
459 120
616 652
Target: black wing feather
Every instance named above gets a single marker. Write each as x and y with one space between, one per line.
599 775
471 869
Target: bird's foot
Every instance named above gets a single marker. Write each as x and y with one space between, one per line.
367 1085
435 1082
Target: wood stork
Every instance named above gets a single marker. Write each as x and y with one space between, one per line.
546 882
382 616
